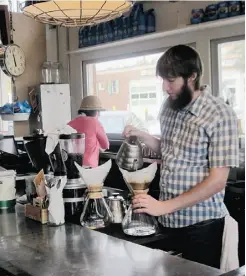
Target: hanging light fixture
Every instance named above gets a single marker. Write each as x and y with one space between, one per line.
74 13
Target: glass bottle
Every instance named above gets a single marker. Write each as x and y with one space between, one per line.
57 73
46 72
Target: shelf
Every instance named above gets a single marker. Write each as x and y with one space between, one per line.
16 117
189 28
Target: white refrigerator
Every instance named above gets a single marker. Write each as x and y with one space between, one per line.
51 106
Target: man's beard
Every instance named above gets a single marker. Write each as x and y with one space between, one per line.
183 99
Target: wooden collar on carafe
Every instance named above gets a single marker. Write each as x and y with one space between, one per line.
138 192
95 191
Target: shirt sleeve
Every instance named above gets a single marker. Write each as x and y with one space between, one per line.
224 143
102 137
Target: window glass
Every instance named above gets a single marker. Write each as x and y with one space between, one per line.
6 127
231 66
126 87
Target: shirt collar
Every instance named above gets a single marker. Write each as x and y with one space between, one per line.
196 107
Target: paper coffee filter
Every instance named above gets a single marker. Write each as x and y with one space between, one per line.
145 175
95 176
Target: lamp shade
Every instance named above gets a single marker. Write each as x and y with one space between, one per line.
74 13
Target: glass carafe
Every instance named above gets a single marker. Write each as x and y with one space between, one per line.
96 213
138 224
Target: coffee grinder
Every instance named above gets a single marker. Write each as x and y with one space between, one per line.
73 148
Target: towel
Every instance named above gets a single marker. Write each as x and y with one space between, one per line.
229 252
53 137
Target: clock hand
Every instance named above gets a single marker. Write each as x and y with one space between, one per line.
14 60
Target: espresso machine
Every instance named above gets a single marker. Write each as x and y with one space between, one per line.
72 150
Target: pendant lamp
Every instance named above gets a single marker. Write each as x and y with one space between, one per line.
74 13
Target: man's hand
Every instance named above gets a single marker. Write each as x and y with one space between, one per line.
131 131
144 203
150 141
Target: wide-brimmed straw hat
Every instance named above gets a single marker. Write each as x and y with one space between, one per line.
91 103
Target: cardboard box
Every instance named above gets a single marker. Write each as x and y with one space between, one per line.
36 213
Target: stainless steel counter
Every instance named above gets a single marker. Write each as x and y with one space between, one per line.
28 248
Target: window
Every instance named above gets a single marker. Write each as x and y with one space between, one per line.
133 88
15 4
6 127
100 86
113 87
228 57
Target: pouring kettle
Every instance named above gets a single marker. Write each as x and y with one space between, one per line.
117 206
130 154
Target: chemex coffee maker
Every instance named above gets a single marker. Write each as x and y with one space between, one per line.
130 162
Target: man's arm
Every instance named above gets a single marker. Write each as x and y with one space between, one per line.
211 185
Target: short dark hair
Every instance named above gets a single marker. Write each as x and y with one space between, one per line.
180 61
89 113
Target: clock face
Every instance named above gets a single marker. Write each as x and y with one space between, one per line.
15 60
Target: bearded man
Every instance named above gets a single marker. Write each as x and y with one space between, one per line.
198 146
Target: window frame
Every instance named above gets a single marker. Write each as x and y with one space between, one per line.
214 60
4 28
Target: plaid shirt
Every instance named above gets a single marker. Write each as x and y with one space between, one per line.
201 136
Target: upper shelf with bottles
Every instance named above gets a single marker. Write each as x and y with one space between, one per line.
148 37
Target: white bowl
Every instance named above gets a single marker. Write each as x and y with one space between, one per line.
15 117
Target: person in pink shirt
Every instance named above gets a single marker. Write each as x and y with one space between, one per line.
87 123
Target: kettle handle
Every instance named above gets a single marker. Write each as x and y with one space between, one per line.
124 207
135 165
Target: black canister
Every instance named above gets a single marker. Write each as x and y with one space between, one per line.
73 148
73 197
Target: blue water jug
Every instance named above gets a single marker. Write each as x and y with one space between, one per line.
223 9
107 32
89 36
80 33
197 16
124 27
117 28
211 12
93 34
99 34
150 21
138 21
242 7
234 8
85 33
